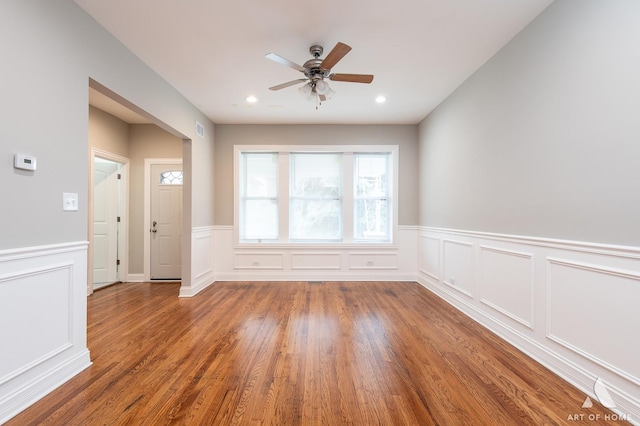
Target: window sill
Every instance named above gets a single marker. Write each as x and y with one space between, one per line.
318 246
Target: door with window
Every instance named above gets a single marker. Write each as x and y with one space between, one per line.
166 221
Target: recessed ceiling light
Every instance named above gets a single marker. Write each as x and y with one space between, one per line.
381 99
251 99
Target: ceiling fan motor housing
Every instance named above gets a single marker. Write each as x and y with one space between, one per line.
316 50
313 68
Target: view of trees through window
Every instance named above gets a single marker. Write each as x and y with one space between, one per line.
371 209
315 208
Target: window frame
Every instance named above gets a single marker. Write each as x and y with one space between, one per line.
348 196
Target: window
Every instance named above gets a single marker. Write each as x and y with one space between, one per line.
172 177
372 205
259 196
316 194
315 201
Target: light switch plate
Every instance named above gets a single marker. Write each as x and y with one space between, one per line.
70 201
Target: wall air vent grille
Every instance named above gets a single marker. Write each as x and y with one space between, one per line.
199 129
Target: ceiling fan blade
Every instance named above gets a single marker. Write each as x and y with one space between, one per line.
287 84
337 53
352 78
284 61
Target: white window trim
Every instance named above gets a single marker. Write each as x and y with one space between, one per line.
347 151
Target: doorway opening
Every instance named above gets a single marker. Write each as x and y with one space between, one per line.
115 122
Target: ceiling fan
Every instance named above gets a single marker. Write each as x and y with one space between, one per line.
316 70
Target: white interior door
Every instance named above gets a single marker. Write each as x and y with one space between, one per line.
106 197
166 221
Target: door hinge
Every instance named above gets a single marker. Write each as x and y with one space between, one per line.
119 176
117 262
118 219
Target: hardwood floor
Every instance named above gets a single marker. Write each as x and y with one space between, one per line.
295 353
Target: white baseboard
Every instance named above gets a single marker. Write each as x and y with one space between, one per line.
135 278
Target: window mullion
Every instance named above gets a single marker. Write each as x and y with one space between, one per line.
347 197
283 197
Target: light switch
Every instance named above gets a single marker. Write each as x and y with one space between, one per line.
70 201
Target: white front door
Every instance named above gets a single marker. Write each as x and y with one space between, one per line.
166 221
106 201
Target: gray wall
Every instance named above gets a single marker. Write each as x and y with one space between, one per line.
54 48
544 140
108 133
405 136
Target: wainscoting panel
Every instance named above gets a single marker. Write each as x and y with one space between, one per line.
202 262
588 315
429 252
573 306
373 260
259 260
506 283
44 322
316 261
457 259
50 289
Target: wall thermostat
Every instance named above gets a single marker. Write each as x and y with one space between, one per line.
25 162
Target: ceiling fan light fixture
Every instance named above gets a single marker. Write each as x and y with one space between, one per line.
305 89
322 87
329 93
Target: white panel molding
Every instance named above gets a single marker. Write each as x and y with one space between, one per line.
596 269
255 259
56 348
466 269
483 285
576 365
202 261
424 252
41 251
42 274
579 246
373 260
391 262
316 260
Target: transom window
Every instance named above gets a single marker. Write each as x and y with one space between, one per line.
316 194
172 177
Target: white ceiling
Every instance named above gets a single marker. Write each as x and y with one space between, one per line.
213 52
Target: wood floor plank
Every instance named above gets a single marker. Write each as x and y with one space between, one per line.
296 353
